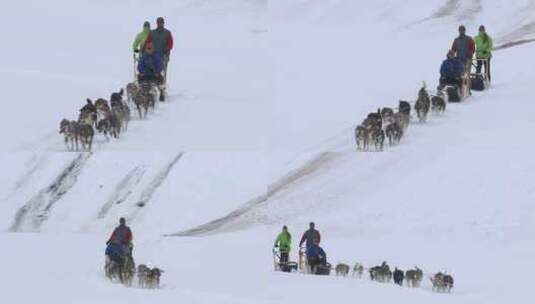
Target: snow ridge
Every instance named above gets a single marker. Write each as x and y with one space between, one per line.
123 190
35 212
239 217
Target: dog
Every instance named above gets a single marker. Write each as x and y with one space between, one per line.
110 124
143 100
398 276
414 277
374 119
358 270
394 132
342 269
387 115
402 119
422 104
122 111
442 282
448 281
86 134
438 102
87 117
117 97
69 129
131 89
381 273
404 107
377 135
154 277
362 137
143 275
156 95
102 105
88 113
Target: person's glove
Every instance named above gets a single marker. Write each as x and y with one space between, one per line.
136 51
276 246
108 242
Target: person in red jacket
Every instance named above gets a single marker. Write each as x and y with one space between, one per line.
464 48
122 235
310 236
162 40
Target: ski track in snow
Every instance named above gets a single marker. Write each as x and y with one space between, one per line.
34 164
519 33
447 9
232 221
35 212
454 8
513 44
153 186
471 11
123 190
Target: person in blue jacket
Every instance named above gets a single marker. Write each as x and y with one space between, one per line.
150 65
451 70
116 252
315 256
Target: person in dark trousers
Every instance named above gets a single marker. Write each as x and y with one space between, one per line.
464 48
309 236
315 256
451 70
284 243
162 39
484 46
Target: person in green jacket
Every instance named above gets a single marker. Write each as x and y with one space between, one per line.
483 50
139 41
284 243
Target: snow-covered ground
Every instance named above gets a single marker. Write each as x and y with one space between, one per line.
257 133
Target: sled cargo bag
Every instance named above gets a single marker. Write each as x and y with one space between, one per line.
288 267
478 82
323 269
454 93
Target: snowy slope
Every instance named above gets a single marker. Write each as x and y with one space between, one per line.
258 90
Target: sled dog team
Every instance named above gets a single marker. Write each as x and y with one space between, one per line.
313 260
152 49
119 264
455 84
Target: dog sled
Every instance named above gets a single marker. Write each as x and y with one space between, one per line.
480 81
119 265
284 266
161 83
458 91
306 268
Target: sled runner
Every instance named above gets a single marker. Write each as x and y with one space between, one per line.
480 81
282 266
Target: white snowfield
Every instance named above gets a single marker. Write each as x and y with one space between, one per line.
258 133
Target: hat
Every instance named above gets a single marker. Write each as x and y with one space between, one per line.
122 220
146 24
160 20
462 28
481 27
